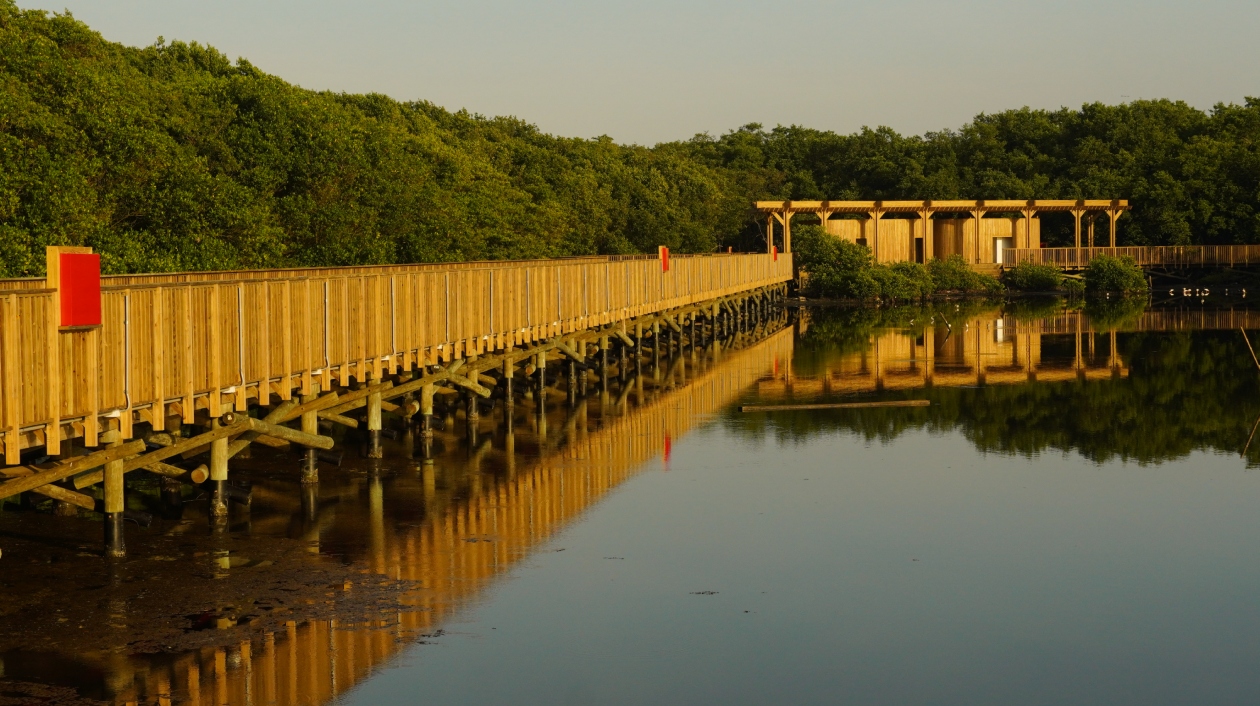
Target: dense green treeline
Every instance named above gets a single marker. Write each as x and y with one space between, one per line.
1185 392
172 157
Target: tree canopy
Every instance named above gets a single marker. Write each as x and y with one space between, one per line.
172 157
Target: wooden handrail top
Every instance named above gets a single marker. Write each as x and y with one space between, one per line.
27 284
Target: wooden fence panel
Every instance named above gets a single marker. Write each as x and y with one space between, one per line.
211 340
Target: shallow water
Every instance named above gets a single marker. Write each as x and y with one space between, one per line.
1071 520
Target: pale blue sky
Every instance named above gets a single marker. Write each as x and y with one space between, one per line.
661 70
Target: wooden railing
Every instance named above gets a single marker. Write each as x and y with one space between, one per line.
206 340
1167 255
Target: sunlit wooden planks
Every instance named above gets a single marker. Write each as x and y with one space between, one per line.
178 343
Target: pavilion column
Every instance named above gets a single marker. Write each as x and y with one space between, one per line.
929 237
823 217
875 215
769 232
1077 213
1113 215
976 255
1028 216
1091 230
787 231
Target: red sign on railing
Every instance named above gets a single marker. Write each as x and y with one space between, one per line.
75 274
663 252
774 250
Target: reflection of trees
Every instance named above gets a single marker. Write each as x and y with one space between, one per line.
1185 391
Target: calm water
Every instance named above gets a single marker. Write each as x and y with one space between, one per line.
1073 520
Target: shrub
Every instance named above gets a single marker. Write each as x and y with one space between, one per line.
907 281
1073 287
836 268
954 275
1030 277
1114 274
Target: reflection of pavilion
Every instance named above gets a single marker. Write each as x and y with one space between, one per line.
988 349
481 515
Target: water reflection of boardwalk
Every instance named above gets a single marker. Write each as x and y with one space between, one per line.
500 514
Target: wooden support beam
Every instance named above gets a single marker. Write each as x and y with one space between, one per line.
240 443
620 334
468 385
69 468
291 435
223 432
57 492
569 351
339 419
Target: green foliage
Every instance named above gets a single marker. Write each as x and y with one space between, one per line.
1118 275
954 275
1074 288
1030 277
172 157
903 281
835 268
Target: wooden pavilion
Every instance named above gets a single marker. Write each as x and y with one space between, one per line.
917 231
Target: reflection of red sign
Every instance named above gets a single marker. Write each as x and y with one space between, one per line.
664 254
774 250
80 289
668 448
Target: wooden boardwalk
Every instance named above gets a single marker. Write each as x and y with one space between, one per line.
1171 256
174 344
179 365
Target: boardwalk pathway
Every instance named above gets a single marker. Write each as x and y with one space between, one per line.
181 365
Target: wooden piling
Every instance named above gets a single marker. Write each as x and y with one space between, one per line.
115 499
374 425
218 474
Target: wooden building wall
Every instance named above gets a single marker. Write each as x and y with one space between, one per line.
951 236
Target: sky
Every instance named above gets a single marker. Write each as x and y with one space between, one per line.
661 70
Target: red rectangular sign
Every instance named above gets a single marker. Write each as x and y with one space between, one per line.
664 253
774 249
80 289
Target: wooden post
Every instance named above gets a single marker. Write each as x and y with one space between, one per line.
787 230
115 501
1028 216
509 371
1091 229
12 389
374 425
1113 215
218 474
1076 213
472 416
310 425
976 254
426 421
929 238
542 381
